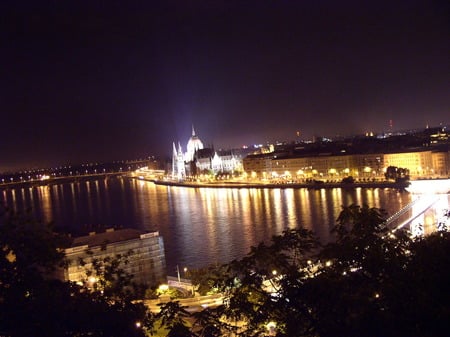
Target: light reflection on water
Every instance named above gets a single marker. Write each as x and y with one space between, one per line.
199 225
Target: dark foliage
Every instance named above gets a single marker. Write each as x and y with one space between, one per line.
397 173
34 302
369 282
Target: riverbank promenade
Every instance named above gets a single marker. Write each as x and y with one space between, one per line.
262 184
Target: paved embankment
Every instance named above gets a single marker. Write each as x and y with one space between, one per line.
384 184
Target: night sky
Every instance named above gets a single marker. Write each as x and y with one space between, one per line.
109 80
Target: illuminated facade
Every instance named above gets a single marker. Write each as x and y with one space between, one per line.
178 165
226 161
146 260
198 160
426 163
258 165
419 164
194 144
440 164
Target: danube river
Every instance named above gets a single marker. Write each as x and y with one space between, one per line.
200 226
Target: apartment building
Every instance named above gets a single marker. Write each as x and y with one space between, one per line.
145 252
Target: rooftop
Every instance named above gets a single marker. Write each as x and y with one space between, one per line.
110 236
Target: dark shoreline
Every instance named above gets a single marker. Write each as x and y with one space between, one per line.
384 184
238 185
59 180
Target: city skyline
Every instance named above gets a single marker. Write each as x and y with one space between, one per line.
94 82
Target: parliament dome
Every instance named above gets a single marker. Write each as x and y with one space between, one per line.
194 144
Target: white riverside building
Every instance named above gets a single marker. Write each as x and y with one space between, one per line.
199 160
147 261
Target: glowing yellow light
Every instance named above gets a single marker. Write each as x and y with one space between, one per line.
271 328
11 257
163 287
92 279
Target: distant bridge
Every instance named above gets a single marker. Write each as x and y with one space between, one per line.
60 179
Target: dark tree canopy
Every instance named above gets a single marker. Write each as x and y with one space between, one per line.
34 302
370 281
397 173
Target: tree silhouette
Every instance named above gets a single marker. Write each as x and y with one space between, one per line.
173 317
370 281
34 302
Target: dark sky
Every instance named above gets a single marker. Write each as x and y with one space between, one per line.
108 80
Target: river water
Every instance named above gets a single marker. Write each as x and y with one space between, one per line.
200 226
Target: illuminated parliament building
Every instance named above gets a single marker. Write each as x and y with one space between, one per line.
203 160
